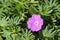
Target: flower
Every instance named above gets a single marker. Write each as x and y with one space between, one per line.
35 22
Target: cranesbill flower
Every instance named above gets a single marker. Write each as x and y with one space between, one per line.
35 22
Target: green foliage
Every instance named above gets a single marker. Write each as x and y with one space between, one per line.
48 33
14 15
26 34
18 36
1 38
3 21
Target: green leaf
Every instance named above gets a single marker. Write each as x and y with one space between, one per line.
8 38
33 9
6 33
58 38
14 21
16 0
48 33
1 38
3 21
27 35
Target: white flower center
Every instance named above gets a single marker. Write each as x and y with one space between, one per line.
36 23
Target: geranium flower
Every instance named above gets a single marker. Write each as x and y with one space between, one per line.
35 22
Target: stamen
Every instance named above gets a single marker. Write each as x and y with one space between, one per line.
36 23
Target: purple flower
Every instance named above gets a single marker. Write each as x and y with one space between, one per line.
35 22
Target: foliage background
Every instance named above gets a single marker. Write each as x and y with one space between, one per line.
15 13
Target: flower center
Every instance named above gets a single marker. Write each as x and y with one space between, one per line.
36 23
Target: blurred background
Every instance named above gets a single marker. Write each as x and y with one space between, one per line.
15 13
